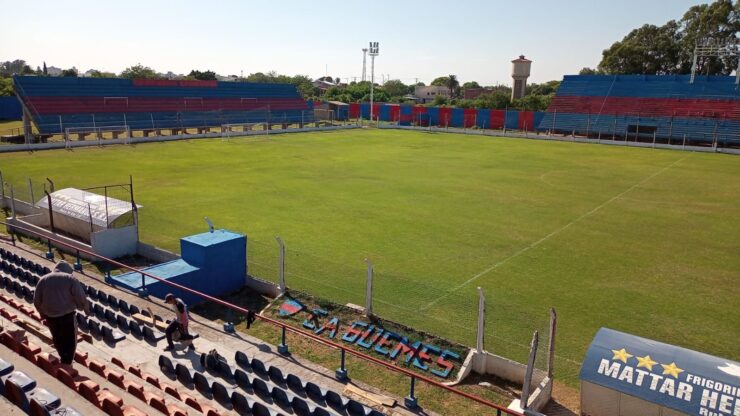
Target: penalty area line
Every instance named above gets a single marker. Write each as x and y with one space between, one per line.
548 236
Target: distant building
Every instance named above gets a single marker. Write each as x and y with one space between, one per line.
323 85
520 72
227 78
471 93
426 94
53 71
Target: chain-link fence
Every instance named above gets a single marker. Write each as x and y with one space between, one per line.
429 305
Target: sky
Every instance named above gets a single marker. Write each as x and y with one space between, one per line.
419 40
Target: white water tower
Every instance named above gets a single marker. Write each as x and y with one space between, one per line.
520 72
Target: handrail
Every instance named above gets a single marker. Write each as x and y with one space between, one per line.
282 325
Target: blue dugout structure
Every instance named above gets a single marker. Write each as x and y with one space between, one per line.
624 375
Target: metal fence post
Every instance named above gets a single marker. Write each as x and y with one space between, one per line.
50 253
78 264
2 191
369 289
143 292
551 346
342 372
283 347
411 401
281 247
12 200
30 189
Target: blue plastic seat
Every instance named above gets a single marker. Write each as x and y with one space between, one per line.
94 327
220 393
122 322
242 359
258 409
184 374
20 396
135 329
166 366
335 400
259 368
110 316
242 379
5 368
261 388
224 370
295 383
201 383
315 392
133 309
38 409
123 306
355 408
82 322
276 375
282 398
320 411
241 403
301 407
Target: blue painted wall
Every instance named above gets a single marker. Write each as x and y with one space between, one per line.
10 108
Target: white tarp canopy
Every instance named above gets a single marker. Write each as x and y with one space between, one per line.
75 206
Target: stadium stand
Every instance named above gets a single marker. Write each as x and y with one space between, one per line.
58 103
646 108
104 381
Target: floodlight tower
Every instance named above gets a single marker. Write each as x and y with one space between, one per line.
719 48
364 64
374 50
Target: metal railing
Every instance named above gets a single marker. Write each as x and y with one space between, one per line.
283 347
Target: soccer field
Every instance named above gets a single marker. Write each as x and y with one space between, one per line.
639 240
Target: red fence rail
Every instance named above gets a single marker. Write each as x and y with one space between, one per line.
500 410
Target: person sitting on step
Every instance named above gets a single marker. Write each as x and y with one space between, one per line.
179 324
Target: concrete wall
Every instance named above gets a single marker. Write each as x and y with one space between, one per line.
134 140
543 136
262 286
115 242
154 253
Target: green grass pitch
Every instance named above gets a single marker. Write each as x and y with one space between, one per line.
644 241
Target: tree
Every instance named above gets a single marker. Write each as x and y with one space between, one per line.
46 72
439 100
668 49
647 50
139 71
471 84
94 73
71 72
6 87
547 88
440 81
395 88
454 85
588 71
16 67
202 76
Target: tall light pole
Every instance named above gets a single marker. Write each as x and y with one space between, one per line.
374 49
364 64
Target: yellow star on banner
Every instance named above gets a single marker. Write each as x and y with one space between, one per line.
646 362
671 369
621 355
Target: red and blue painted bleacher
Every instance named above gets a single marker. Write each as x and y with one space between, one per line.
56 103
407 115
667 106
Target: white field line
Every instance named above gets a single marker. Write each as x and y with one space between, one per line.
548 236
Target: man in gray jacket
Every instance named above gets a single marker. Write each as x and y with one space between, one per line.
58 294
